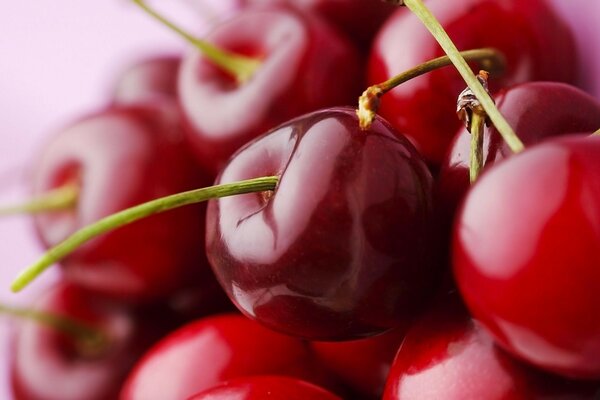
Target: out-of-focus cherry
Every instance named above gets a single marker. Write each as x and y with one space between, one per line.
115 159
209 351
536 43
446 355
265 387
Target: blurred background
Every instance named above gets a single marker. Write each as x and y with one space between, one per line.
58 60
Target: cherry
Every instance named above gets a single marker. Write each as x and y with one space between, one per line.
117 158
528 33
341 249
526 254
446 355
262 387
362 364
359 19
536 110
47 364
206 352
304 65
148 80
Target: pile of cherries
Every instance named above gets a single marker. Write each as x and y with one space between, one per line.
373 268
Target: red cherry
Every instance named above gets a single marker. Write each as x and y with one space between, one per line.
362 364
204 353
341 249
149 80
529 34
304 65
446 355
359 19
526 255
536 110
46 364
118 158
265 387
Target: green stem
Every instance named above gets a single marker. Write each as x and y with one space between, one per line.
436 29
241 67
476 158
135 213
368 102
59 199
91 339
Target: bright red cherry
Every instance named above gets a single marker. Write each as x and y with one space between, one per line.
341 249
359 19
151 79
361 364
47 364
527 254
209 351
304 65
536 110
118 158
266 387
536 43
446 355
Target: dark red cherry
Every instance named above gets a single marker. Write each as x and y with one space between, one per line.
206 352
446 355
536 43
361 364
47 364
305 65
265 387
535 110
359 19
150 79
341 249
527 254
118 158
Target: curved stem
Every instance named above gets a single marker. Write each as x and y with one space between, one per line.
61 198
135 213
436 29
368 102
241 67
90 338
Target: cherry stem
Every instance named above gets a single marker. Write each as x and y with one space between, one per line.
90 338
62 198
438 32
239 66
368 102
476 156
597 132
129 215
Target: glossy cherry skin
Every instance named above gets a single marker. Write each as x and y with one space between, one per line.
206 352
536 43
362 364
306 65
447 355
148 80
121 157
527 254
49 365
535 110
341 249
359 19
265 387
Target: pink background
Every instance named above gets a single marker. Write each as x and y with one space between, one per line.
58 59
